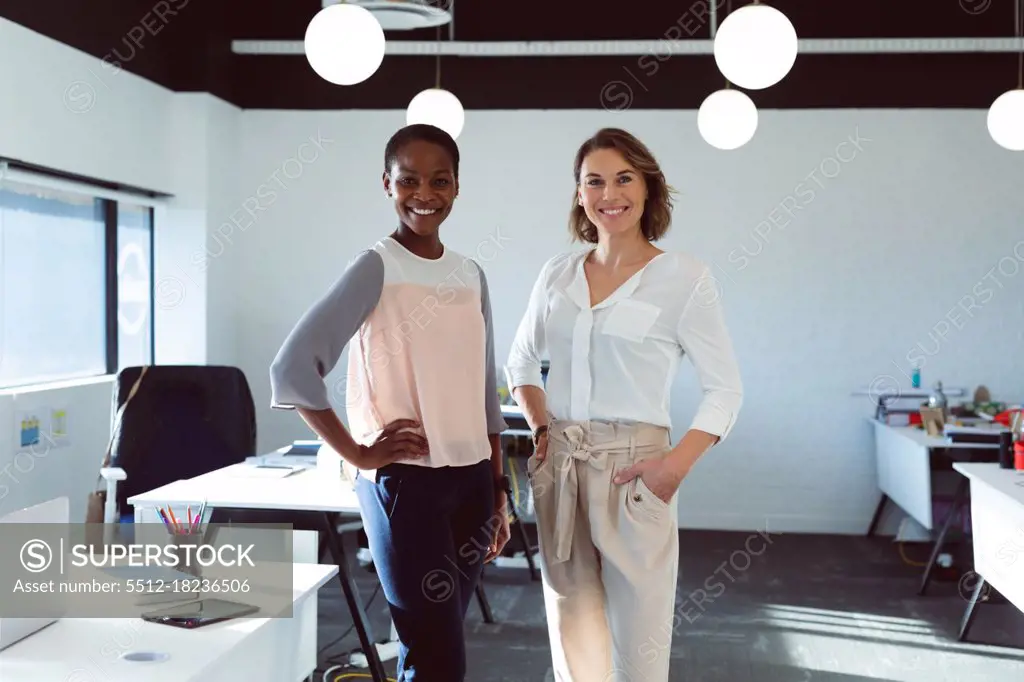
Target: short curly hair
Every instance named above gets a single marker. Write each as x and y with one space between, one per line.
420 132
657 215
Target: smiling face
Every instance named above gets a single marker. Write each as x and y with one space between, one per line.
611 191
423 184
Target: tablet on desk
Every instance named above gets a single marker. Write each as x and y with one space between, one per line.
200 613
265 470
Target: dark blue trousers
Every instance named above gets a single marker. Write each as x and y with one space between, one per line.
428 530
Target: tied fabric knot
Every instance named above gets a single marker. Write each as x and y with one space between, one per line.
580 450
568 489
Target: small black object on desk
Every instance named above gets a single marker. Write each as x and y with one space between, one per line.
1006 450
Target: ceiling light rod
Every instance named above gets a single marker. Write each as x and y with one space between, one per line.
662 48
1019 27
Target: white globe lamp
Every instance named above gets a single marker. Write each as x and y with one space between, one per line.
344 44
1006 120
755 47
439 108
727 119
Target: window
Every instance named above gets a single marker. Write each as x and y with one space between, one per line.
134 285
75 285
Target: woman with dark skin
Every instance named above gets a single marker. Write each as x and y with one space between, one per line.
422 443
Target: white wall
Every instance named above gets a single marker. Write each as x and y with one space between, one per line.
841 239
76 114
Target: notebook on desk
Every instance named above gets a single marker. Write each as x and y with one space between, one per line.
301 448
265 469
300 453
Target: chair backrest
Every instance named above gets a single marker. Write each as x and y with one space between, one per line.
184 421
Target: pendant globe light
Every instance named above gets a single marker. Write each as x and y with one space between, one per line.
756 46
727 119
1006 115
437 106
344 44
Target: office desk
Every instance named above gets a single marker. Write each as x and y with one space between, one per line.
308 494
997 517
903 456
243 650
315 498
517 425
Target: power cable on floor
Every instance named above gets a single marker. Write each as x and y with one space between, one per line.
351 627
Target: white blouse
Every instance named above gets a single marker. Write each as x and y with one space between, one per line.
617 360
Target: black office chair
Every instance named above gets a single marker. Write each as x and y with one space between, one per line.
182 422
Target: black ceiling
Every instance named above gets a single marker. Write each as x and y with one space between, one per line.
185 45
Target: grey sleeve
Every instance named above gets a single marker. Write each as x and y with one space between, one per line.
495 422
313 347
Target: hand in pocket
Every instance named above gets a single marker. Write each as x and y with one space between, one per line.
654 473
540 450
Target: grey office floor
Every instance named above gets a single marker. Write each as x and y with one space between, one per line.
800 608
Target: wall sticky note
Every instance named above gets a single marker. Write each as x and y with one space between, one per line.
59 427
29 425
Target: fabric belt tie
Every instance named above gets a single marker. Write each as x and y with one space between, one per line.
593 445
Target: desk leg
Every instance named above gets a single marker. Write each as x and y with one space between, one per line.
355 605
958 502
878 515
972 605
485 605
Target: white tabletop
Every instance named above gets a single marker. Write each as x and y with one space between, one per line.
308 490
86 649
921 437
976 427
1006 481
898 392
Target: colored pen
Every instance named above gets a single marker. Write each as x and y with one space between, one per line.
199 516
173 520
189 511
163 517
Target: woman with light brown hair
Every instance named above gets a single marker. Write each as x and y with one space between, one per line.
614 320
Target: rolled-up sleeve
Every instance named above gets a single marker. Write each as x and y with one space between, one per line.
705 340
495 421
529 345
313 347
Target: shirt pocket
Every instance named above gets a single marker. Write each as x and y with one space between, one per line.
631 320
560 318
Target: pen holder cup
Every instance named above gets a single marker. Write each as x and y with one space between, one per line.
183 554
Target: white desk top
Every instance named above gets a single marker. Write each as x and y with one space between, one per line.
1006 481
308 490
85 649
899 393
921 437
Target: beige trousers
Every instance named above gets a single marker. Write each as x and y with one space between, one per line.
609 553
